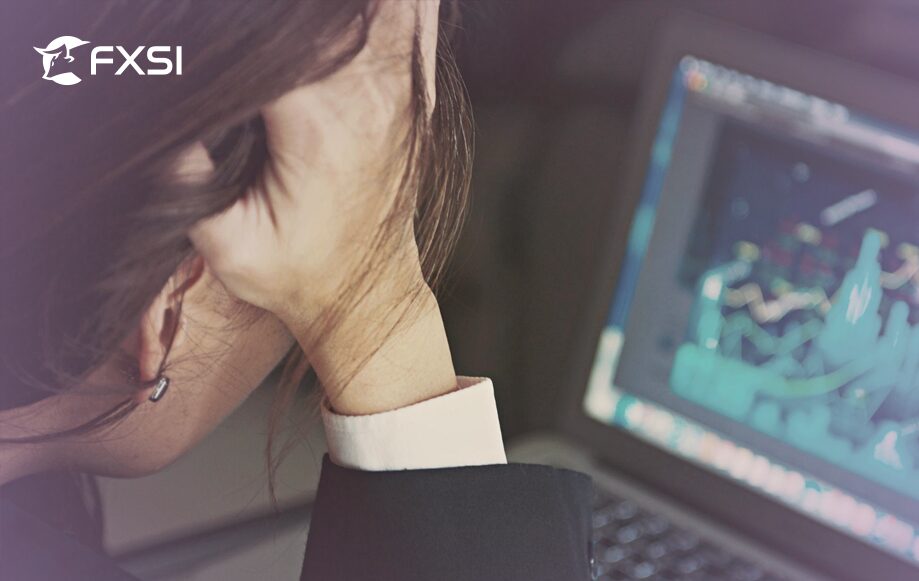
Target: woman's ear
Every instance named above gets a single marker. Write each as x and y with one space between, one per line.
161 327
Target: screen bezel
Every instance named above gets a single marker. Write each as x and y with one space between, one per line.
865 90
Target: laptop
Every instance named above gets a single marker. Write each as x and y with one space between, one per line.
745 391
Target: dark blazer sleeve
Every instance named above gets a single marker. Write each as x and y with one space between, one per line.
513 522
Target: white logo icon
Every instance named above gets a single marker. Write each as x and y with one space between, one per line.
50 55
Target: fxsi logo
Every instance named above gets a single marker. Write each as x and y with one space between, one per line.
51 53
160 60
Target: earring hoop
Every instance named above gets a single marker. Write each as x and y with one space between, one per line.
159 391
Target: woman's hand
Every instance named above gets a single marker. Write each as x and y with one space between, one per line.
335 158
292 245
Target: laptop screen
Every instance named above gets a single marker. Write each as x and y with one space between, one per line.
766 318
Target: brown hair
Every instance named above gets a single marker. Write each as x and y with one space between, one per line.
93 223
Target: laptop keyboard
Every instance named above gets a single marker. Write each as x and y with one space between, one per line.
630 543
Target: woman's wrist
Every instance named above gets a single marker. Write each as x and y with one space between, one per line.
389 351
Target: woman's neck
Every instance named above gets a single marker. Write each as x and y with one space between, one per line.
18 459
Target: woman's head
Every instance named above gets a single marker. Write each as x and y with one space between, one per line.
101 284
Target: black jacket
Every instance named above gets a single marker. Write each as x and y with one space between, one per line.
510 522
480 523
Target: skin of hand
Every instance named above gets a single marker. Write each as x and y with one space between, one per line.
291 245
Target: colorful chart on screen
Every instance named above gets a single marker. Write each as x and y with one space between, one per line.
805 316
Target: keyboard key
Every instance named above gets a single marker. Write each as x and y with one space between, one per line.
628 534
615 554
656 551
601 518
626 510
655 525
690 564
643 570
684 541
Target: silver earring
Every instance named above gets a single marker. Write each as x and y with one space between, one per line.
159 391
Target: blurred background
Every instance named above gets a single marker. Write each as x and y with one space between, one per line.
554 86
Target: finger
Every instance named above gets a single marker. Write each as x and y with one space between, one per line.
429 23
208 235
380 73
391 32
194 165
393 35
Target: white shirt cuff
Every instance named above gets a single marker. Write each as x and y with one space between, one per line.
459 428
